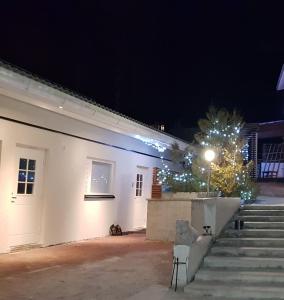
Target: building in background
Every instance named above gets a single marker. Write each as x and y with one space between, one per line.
69 168
159 126
266 149
266 145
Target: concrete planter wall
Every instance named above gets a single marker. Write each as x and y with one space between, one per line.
162 214
215 212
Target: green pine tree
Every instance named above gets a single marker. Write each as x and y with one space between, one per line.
221 132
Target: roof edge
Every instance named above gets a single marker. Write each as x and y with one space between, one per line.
91 102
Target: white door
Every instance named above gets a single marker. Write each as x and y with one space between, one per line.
26 200
142 192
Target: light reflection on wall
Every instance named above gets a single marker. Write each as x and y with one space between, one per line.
160 146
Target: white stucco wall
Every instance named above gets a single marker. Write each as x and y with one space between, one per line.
66 216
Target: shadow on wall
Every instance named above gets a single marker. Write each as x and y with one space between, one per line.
125 206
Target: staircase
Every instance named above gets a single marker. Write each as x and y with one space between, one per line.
245 264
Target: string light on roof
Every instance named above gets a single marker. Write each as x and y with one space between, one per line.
160 146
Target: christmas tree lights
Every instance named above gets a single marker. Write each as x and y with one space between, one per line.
220 131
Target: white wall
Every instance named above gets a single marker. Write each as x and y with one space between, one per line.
66 216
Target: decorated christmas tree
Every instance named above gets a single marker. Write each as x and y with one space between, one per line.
221 132
182 180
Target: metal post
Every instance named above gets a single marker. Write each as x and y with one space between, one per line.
174 266
176 276
256 158
208 180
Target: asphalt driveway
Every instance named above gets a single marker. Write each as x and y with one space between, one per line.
106 268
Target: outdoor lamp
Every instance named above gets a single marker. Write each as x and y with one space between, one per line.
209 156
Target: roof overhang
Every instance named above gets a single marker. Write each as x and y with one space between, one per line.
31 91
273 129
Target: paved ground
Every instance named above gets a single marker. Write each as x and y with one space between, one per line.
127 267
112 268
269 200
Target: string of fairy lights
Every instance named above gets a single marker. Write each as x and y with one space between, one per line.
216 138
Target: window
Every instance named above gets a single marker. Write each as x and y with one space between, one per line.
139 184
26 176
101 178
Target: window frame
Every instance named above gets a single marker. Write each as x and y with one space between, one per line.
27 170
139 184
89 194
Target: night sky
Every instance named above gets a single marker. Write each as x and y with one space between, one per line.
155 61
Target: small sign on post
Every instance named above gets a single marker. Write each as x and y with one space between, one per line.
239 224
207 230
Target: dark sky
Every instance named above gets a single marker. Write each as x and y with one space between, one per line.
163 61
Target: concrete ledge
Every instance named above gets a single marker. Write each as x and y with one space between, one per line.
197 252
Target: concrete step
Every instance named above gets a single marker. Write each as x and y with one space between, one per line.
264 207
250 242
223 275
261 212
215 298
233 291
267 218
272 233
220 298
259 225
212 261
245 264
248 251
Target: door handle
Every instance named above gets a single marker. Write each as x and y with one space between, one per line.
13 199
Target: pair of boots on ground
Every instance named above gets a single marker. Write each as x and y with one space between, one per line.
115 230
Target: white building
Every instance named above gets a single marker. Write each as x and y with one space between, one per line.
68 168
